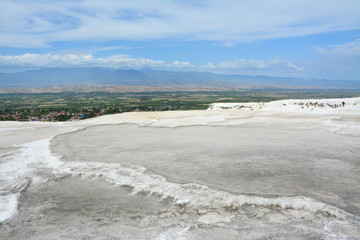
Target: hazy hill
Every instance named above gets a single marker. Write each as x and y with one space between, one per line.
101 76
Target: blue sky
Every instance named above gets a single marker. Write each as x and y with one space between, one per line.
287 38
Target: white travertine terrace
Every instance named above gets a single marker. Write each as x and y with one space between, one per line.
306 105
287 169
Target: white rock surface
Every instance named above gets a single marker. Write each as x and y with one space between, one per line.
305 105
284 170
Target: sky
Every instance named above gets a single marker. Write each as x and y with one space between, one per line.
314 39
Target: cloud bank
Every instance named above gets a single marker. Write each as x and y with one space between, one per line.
276 66
40 23
73 60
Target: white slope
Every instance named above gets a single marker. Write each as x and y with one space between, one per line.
296 105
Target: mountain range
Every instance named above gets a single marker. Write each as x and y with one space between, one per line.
49 77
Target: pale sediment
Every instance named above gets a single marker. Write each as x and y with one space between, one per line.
184 175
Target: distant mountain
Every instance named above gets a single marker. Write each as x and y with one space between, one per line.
101 76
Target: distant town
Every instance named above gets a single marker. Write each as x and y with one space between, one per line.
32 116
44 115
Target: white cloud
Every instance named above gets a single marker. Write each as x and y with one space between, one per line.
39 23
339 61
274 67
251 64
291 65
74 60
229 44
181 64
244 64
346 49
110 48
209 66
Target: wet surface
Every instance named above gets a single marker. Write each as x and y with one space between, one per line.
275 160
250 176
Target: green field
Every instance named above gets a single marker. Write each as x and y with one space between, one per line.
22 106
